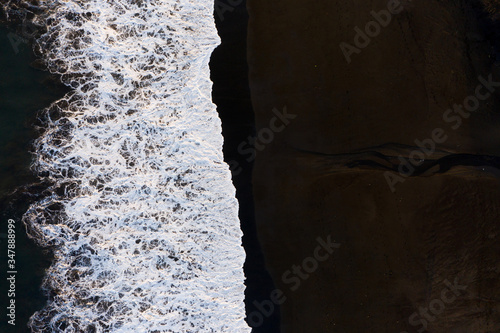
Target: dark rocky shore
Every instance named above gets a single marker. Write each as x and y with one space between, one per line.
378 201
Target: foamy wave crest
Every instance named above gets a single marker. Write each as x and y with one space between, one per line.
142 215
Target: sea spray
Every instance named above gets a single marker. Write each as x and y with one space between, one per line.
142 215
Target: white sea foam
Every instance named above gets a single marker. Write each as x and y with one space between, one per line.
143 215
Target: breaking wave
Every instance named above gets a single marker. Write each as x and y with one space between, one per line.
142 215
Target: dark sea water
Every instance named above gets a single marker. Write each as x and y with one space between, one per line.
24 90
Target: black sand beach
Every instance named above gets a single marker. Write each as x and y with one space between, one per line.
391 150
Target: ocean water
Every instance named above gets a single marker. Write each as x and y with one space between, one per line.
24 90
142 215
231 94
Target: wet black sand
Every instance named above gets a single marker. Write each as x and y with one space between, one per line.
326 173
231 94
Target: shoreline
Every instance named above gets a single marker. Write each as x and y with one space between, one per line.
20 79
325 174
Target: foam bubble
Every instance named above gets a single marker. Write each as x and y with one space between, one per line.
143 216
